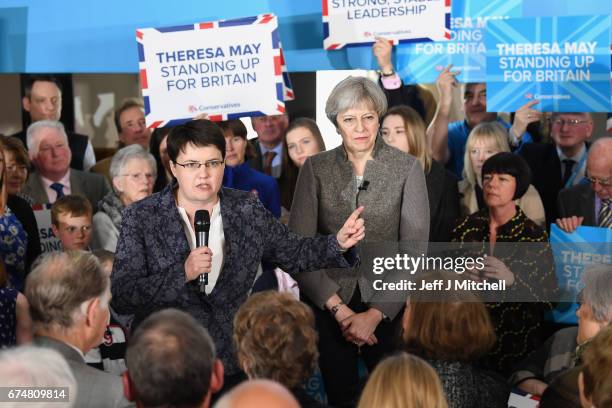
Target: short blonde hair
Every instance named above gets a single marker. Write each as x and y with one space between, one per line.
484 132
401 381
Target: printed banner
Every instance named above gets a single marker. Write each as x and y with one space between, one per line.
422 62
48 242
573 253
564 62
226 69
347 22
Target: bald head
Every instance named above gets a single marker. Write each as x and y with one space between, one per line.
599 167
258 394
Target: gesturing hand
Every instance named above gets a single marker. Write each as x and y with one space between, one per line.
352 231
198 262
446 82
496 269
524 116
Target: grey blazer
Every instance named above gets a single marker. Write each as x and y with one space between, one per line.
90 185
96 388
396 210
579 201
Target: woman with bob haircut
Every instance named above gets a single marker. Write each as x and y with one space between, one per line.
403 128
403 381
238 172
351 317
452 335
290 355
485 140
159 265
505 178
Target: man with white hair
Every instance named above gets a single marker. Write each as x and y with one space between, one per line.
43 101
69 295
590 204
30 366
53 178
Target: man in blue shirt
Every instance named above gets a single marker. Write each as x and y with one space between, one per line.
448 139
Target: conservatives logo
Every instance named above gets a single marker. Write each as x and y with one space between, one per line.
529 95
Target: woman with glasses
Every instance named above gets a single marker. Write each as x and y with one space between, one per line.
159 263
133 171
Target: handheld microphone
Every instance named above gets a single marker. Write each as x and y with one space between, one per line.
201 223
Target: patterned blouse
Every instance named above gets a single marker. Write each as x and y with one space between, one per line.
517 324
13 245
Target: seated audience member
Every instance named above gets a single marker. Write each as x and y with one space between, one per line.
16 173
71 222
171 362
15 321
564 349
452 335
133 172
19 241
131 128
403 381
158 146
17 166
269 159
415 96
594 381
448 139
590 204
53 178
258 394
290 355
110 354
43 101
561 164
505 178
30 366
485 140
157 264
403 129
239 174
69 294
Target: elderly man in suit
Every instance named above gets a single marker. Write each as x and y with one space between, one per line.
69 295
53 178
590 204
562 164
43 101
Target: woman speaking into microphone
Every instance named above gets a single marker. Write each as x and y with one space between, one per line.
157 264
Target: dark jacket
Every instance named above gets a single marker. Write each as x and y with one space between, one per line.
25 215
443 195
149 274
579 201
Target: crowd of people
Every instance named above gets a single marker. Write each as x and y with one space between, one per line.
136 309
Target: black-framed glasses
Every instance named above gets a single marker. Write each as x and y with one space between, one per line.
194 165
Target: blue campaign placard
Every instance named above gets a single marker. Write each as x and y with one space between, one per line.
573 253
422 62
564 62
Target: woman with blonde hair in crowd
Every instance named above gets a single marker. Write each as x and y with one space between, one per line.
485 140
403 381
403 128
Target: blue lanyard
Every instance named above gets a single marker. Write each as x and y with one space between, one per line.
576 169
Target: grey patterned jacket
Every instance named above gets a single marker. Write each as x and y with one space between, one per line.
149 275
396 216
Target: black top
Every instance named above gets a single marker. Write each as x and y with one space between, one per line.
25 215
